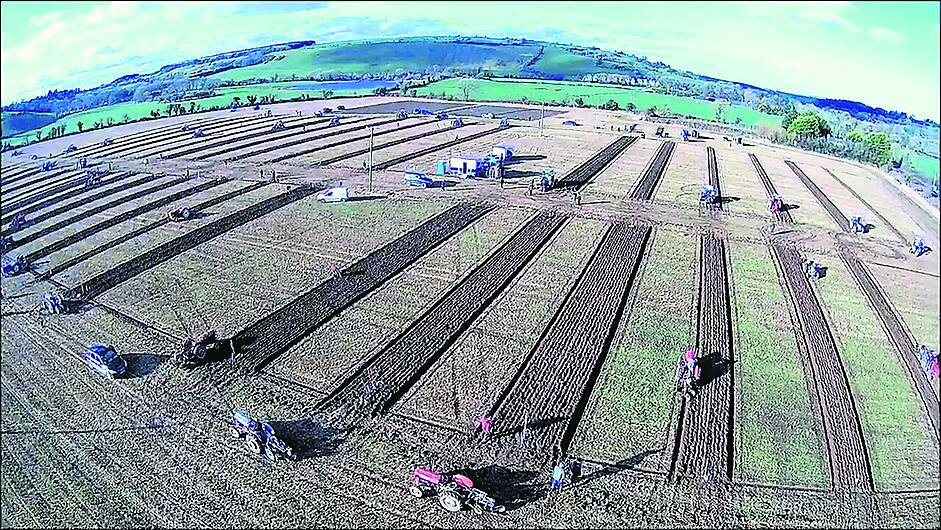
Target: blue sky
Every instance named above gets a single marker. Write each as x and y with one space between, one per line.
881 53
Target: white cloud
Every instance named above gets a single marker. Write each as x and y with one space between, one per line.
828 13
885 34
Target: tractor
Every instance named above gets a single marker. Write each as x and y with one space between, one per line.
327 110
92 177
401 114
812 269
12 266
918 247
5 243
259 437
179 214
279 126
685 135
547 180
82 163
453 492
198 133
504 122
694 133
106 142
16 152
105 360
441 115
502 152
334 121
708 194
48 165
688 373
19 222
858 224
659 133
198 348
185 127
457 122
52 304
776 204
928 359
256 107
71 149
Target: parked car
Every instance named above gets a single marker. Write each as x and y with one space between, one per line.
338 194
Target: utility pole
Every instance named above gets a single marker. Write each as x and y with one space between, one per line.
542 118
370 159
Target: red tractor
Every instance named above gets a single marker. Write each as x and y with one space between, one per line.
453 492
197 349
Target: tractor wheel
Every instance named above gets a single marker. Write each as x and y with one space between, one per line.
253 444
234 433
185 214
200 352
17 268
449 501
415 491
478 509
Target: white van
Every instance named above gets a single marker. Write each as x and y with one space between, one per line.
338 194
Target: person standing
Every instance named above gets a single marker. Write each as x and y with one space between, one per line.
558 478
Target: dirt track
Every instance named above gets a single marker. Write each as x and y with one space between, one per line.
783 215
653 173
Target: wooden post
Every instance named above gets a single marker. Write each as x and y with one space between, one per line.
371 129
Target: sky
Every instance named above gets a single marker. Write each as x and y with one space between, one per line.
884 54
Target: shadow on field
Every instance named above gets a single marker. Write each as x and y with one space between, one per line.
712 367
789 207
590 472
141 364
725 200
524 158
365 198
309 438
509 487
512 174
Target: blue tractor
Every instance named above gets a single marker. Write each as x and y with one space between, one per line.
47 166
441 115
16 152
233 107
185 127
334 121
256 107
82 163
198 133
53 304
279 126
420 180
424 112
327 110
5 243
859 225
13 266
504 123
685 135
106 142
71 149
457 122
918 247
19 222
105 360
812 269
708 194
401 114
259 437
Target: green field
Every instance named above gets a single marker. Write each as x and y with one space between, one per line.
925 165
777 432
901 449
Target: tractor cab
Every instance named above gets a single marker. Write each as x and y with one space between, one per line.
685 135
104 360
502 152
47 166
279 126
441 115
775 204
260 437
334 121
198 133
504 122
401 114
457 122
812 269
420 180
82 163
71 149
659 133
106 142
708 194
13 266
918 247
185 127
859 225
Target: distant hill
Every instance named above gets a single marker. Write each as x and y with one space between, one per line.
419 58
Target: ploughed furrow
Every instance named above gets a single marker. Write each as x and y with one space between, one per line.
138 264
422 152
400 364
222 129
885 222
71 262
243 144
43 180
550 391
784 216
704 444
591 167
16 176
61 193
305 139
69 206
712 167
650 179
898 335
145 135
265 132
172 136
45 231
357 152
345 141
849 461
822 198
121 217
263 341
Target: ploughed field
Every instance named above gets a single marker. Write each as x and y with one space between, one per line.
376 333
